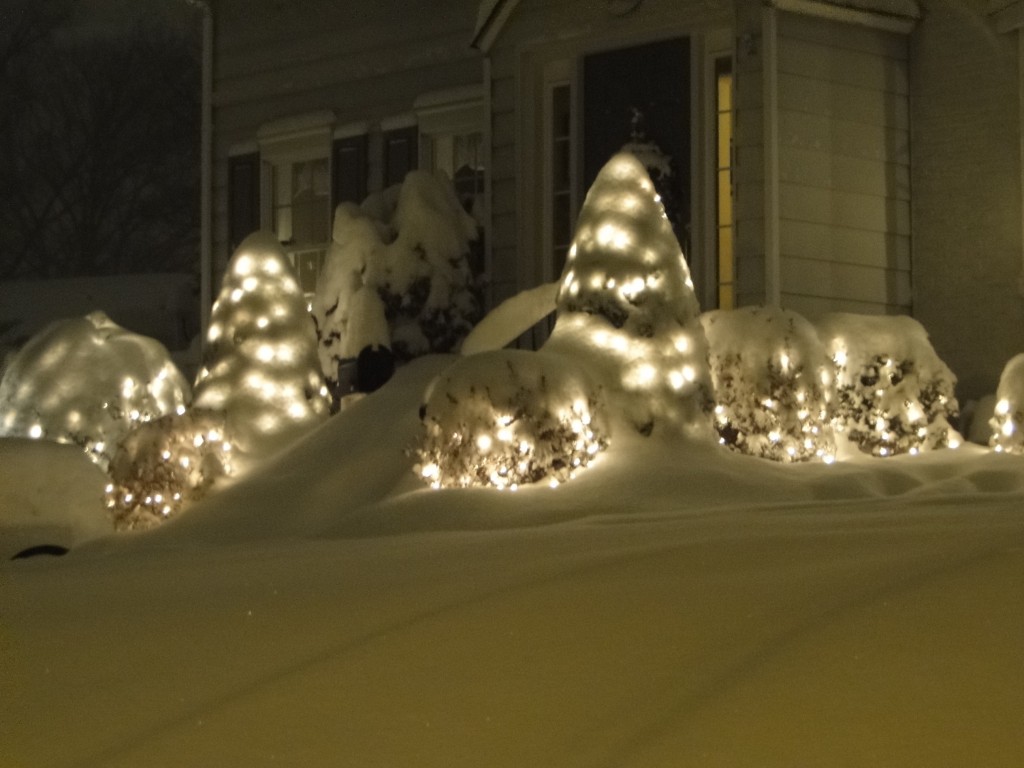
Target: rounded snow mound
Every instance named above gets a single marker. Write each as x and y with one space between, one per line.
88 381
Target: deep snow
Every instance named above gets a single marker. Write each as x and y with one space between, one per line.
673 605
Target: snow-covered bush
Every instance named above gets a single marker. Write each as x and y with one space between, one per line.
893 393
509 418
627 309
1008 417
397 274
163 465
773 384
260 363
88 381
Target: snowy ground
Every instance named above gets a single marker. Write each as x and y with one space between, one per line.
672 606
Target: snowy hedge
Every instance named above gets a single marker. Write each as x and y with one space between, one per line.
893 393
1008 418
163 465
88 381
398 274
510 418
773 384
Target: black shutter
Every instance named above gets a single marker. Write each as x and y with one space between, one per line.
401 154
348 174
243 197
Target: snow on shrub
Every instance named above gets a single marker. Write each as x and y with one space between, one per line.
413 257
627 309
260 363
88 381
165 464
509 418
1007 420
773 384
893 393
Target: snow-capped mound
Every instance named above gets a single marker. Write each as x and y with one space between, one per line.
88 381
773 384
627 309
260 364
894 394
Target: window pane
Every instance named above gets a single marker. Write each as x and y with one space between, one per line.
310 201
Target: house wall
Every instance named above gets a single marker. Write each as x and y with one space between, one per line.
966 180
365 62
538 32
842 202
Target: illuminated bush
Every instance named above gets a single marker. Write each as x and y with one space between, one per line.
509 418
627 309
893 393
773 384
88 381
1008 419
260 364
163 465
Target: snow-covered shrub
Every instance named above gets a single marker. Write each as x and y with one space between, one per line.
163 465
773 384
509 418
1008 417
88 381
893 393
627 309
260 363
397 274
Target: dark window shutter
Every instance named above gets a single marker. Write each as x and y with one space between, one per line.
348 175
401 154
243 197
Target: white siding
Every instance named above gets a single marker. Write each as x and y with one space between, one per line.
966 177
843 165
844 160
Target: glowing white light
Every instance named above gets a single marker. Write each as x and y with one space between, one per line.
839 357
505 435
676 380
1002 407
262 322
1008 428
682 343
484 442
784 361
250 284
237 294
610 235
35 431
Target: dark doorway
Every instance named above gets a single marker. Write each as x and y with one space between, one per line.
641 96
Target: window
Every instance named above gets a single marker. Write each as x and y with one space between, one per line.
560 182
452 140
724 258
296 187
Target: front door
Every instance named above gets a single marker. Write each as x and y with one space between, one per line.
639 99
